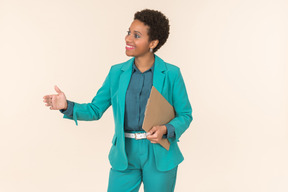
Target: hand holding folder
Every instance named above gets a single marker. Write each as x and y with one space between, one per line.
158 112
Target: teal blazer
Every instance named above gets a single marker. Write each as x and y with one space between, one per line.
168 80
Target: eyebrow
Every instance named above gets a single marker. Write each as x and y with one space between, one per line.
136 31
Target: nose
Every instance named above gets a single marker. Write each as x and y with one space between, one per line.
128 38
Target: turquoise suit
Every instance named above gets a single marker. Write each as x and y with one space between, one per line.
167 79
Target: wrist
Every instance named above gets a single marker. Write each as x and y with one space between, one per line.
164 129
65 106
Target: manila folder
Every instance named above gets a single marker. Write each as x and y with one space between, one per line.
158 112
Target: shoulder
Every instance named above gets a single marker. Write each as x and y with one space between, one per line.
172 70
169 68
117 66
122 66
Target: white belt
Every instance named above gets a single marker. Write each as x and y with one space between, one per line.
136 135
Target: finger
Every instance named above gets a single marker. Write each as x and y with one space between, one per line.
53 100
153 141
151 138
48 103
57 89
152 131
46 96
46 100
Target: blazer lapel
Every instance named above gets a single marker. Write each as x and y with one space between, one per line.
123 85
158 81
159 75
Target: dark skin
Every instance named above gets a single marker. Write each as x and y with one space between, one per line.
138 46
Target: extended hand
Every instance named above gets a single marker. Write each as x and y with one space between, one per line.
156 133
56 101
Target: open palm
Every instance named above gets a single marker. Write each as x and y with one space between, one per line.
56 101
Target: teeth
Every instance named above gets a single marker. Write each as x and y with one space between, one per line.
129 46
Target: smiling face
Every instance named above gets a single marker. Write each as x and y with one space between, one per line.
137 40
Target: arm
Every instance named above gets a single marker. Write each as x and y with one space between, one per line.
159 132
182 107
170 131
69 110
95 109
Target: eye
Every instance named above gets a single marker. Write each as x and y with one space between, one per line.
128 32
136 36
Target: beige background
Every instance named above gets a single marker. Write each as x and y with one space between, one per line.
233 57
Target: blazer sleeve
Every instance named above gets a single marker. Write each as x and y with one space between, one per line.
182 107
94 110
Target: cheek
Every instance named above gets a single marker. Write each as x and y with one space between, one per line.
142 44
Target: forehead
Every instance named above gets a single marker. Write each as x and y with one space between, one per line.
139 26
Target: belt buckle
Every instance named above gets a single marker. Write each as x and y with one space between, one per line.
137 136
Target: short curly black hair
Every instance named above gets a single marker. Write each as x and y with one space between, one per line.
158 25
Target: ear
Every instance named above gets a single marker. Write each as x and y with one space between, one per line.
154 43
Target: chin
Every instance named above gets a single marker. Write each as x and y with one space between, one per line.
129 54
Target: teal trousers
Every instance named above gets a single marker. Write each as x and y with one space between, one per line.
141 168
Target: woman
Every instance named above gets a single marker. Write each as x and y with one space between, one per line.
127 88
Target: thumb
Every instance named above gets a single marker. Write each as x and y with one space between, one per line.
57 89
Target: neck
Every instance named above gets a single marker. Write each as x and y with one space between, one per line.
143 63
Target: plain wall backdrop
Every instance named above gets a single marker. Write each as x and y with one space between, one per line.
233 57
